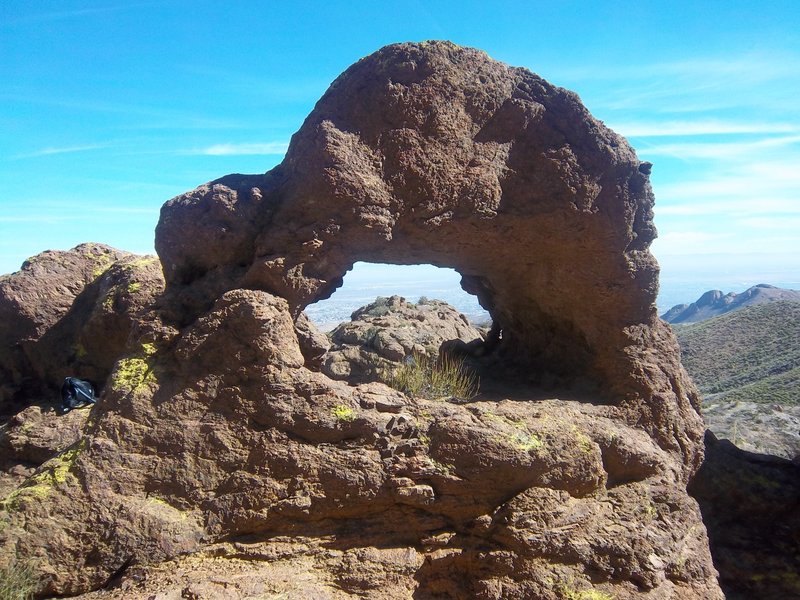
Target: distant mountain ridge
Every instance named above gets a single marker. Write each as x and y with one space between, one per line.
715 303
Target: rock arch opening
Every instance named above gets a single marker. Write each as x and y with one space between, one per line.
437 154
368 281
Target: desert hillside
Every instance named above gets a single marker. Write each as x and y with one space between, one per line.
747 365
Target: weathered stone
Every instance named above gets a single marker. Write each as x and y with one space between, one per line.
216 437
390 330
749 503
433 153
32 302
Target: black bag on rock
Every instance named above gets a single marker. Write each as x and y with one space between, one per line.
76 393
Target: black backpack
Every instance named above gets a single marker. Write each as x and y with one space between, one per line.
76 393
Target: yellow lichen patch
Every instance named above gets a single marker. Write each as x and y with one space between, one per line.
80 350
175 513
40 485
149 349
18 497
343 413
134 287
584 441
568 592
140 263
57 469
102 261
525 441
108 302
521 438
131 374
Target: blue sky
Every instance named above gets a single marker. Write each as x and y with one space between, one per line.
110 108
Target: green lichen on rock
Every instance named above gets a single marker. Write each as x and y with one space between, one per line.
102 260
134 372
139 263
343 413
134 287
40 485
18 498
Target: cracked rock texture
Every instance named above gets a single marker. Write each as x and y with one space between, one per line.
220 448
389 330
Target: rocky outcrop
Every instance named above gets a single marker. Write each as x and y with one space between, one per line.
218 435
390 330
714 303
749 503
70 313
64 313
432 153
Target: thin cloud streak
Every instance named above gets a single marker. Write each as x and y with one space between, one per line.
72 14
692 128
718 150
49 151
265 148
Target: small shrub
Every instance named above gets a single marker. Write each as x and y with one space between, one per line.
424 377
18 581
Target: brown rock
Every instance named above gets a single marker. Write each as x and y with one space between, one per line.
216 437
70 313
32 301
433 153
390 330
313 343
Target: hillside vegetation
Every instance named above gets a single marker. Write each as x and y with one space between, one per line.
752 354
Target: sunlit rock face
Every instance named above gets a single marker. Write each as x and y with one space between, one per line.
219 436
432 153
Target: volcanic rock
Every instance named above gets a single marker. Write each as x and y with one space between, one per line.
390 330
70 313
216 435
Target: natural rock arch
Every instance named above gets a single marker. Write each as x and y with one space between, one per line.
433 153
217 436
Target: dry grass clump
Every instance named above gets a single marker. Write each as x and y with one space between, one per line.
424 377
18 581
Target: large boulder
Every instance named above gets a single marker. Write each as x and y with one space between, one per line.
70 313
218 436
32 301
65 313
389 330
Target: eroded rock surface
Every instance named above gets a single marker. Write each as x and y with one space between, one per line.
217 435
69 313
220 433
389 330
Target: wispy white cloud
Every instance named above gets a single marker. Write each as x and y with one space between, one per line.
50 150
34 17
690 242
719 150
262 148
655 128
765 80
751 205
751 67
